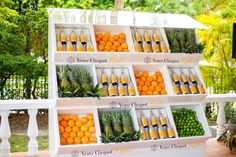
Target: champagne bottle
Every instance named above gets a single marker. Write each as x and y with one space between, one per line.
137 36
176 88
69 46
146 47
153 133
156 37
162 118
89 46
153 119
63 37
59 45
183 77
193 88
137 46
111 90
131 89
144 134
162 132
114 79
175 77
155 47
184 88
83 38
164 48
147 37
80 47
73 37
104 78
193 77
144 120
123 78
121 89
170 131
200 87
104 91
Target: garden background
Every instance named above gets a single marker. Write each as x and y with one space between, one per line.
23 50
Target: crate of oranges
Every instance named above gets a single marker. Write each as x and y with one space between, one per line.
75 129
150 83
115 42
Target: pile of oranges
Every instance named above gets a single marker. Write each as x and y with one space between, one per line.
150 84
108 42
76 130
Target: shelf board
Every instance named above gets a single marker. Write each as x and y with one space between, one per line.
126 57
127 101
134 144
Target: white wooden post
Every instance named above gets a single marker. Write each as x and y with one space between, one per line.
235 104
221 121
32 132
5 133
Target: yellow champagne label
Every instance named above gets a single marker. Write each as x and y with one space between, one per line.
193 78
104 92
59 48
121 92
163 120
155 48
69 49
83 39
154 121
162 134
184 89
144 135
138 38
184 78
73 38
175 78
146 48
63 38
131 91
80 48
171 133
123 80
176 90
164 48
156 38
114 80
90 49
147 38
145 122
201 89
138 48
112 92
104 79
193 89
153 135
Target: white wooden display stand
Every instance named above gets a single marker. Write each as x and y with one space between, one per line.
174 147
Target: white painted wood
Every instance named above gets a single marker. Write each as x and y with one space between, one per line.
32 133
221 121
221 98
5 133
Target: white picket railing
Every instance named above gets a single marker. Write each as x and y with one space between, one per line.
33 105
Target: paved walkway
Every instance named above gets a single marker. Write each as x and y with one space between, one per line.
214 149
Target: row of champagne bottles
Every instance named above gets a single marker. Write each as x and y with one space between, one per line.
116 86
156 126
74 42
186 83
148 41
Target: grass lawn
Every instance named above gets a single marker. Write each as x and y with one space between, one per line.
20 143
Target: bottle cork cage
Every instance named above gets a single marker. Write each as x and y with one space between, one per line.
112 38
128 80
127 124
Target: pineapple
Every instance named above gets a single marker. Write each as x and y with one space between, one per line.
107 132
116 122
127 123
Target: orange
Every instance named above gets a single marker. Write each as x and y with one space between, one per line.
145 88
71 123
108 34
162 85
149 92
116 37
75 128
158 89
65 135
125 50
105 38
160 79
100 48
113 50
151 88
61 129
155 92
77 140
154 77
68 129
73 134
79 123
149 78
62 141
93 139
111 39
92 129
70 140
140 88
98 39
120 49
121 41
141 83
90 116
100 35
163 92
84 120
122 35
143 93
147 83
90 123
64 123
84 140
143 78
114 47
145 74
108 43
87 134
80 134
84 128
154 83
75 118
137 74
124 45
60 118
67 117
158 73
107 47
116 43
103 43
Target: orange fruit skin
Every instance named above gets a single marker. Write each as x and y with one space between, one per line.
163 92
87 134
85 140
73 134
67 117
84 120
92 129
75 118
93 139
77 140
65 135
70 140
116 37
145 88
61 129
154 83
90 123
147 83
75 128
143 78
63 141
71 123
162 85
60 118
63 123
79 123
158 89
68 129
84 128
80 134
